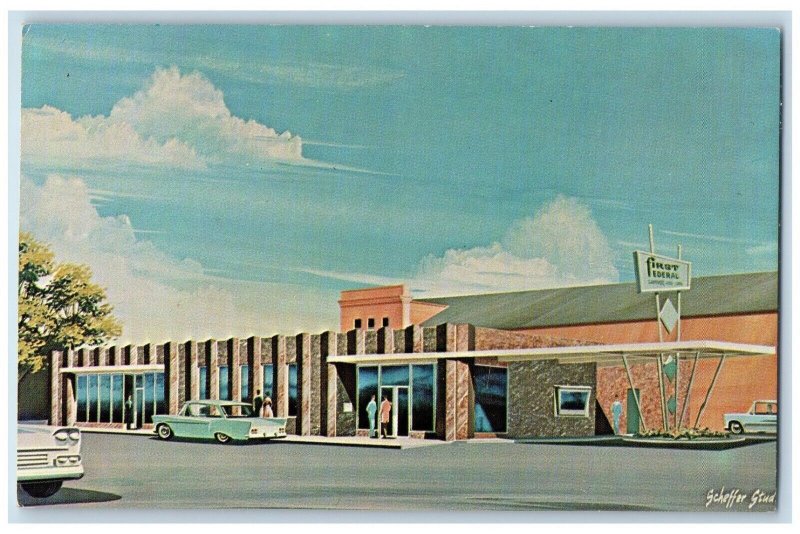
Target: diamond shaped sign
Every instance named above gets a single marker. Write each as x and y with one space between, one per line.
669 316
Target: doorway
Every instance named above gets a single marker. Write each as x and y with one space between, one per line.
633 417
134 390
399 416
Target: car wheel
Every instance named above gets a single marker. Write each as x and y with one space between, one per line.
164 432
736 427
41 490
222 438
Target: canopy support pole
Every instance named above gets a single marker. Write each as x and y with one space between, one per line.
635 396
710 389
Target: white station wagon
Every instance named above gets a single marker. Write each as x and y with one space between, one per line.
761 417
46 456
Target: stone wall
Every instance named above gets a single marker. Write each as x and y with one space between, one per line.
531 399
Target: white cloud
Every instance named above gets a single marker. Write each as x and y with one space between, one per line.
561 245
176 121
52 137
156 296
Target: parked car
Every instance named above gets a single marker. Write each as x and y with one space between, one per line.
47 456
761 417
218 419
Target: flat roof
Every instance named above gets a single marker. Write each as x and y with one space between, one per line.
600 354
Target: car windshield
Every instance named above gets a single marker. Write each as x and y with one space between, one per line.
238 410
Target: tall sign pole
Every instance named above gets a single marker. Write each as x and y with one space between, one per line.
655 274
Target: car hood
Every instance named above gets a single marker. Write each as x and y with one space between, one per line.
36 436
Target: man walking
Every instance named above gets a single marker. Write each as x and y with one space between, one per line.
386 409
616 413
258 402
372 408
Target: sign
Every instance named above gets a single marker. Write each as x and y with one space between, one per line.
659 273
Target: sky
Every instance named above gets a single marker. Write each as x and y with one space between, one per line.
231 180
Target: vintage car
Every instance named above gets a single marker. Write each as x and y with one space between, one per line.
761 417
218 419
47 456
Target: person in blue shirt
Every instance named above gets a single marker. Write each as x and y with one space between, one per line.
372 409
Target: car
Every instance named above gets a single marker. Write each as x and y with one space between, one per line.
761 417
46 457
218 419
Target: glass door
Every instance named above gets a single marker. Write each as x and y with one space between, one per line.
399 415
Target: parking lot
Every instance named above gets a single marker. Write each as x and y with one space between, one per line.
143 472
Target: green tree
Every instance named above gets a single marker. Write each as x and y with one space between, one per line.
59 306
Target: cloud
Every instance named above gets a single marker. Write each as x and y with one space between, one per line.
158 297
176 121
561 245
53 138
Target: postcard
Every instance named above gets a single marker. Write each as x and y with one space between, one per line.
399 268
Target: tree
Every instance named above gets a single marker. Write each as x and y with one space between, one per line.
59 307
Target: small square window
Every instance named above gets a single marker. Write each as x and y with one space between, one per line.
572 401
357 324
371 322
385 321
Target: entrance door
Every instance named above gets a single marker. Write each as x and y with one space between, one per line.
632 415
399 416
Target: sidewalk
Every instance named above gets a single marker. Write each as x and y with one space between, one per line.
342 441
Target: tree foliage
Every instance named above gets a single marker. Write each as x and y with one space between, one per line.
59 306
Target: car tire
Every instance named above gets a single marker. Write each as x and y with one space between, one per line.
736 427
164 432
222 438
40 490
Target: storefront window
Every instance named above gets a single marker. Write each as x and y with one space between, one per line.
244 374
224 386
101 397
292 389
82 394
367 386
394 375
161 405
105 398
116 398
422 406
203 383
267 380
490 398
149 397
92 399
573 400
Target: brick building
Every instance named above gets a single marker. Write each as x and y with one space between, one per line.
532 363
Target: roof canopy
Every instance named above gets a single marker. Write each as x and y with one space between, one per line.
599 354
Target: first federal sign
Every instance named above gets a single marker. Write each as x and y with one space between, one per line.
659 273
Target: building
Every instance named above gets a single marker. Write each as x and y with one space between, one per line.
532 363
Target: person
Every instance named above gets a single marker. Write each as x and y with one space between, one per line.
616 413
386 408
129 412
268 408
258 402
372 408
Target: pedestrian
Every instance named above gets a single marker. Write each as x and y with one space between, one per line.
616 413
268 408
129 412
386 408
258 402
372 408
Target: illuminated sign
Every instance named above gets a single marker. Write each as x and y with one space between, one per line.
660 273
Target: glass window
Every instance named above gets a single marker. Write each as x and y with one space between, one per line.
367 387
357 324
422 405
394 375
244 374
292 389
224 386
371 322
116 399
92 414
105 398
385 321
490 398
267 380
572 400
203 383
82 392
161 405
149 397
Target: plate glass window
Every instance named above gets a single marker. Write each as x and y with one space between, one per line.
491 386
573 400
